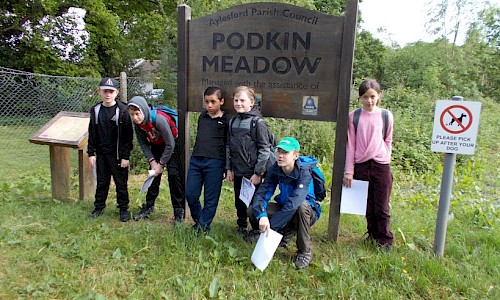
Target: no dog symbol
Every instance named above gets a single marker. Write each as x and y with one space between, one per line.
456 119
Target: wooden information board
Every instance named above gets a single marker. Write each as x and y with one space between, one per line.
67 130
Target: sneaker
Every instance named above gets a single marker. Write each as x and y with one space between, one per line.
201 229
96 213
303 260
178 219
124 215
384 247
144 212
243 232
368 238
178 215
253 236
287 237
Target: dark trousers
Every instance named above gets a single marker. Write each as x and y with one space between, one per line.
175 175
241 208
378 217
301 223
107 166
206 173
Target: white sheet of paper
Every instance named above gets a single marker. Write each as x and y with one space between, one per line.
265 248
354 198
247 191
148 181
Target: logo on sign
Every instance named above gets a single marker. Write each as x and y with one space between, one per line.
456 119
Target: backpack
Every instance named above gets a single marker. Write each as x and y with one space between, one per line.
385 120
253 135
169 114
318 179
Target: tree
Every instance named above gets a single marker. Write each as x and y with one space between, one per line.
368 57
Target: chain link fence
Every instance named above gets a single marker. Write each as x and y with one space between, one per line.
28 101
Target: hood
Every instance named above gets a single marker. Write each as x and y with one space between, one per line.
255 111
143 106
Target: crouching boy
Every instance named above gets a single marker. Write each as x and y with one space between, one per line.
295 209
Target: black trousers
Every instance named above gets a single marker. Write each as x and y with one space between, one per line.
241 208
106 166
175 183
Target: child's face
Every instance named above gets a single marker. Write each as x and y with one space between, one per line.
370 99
242 102
286 159
136 116
108 96
212 104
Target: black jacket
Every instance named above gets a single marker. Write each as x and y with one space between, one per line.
245 156
125 132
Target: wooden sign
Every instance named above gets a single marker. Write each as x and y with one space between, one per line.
68 129
288 54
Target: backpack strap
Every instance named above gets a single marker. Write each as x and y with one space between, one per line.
355 119
385 120
153 115
253 127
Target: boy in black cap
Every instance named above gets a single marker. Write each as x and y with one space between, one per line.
109 146
295 208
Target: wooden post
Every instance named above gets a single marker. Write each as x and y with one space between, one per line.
59 171
123 87
183 16
87 182
347 59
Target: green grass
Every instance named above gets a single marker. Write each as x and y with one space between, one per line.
49 250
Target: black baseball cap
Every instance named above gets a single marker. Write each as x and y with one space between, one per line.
108 83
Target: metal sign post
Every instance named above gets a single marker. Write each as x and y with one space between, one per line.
455 131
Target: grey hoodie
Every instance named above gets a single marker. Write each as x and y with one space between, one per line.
148 133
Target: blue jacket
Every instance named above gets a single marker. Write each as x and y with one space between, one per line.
295 188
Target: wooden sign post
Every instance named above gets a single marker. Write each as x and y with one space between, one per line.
298 61
67 130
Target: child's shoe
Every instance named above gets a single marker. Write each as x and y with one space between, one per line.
303 260
124 215
96 213
144 212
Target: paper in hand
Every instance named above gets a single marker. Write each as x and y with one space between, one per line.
148 181
247 191
354 198
265 248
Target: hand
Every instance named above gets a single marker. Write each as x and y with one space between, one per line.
255 179
92 161
348 180
124 163
158 168
229 176
264 224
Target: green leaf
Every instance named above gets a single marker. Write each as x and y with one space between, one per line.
214 287
117 253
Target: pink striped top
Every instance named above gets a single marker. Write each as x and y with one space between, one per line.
368 142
